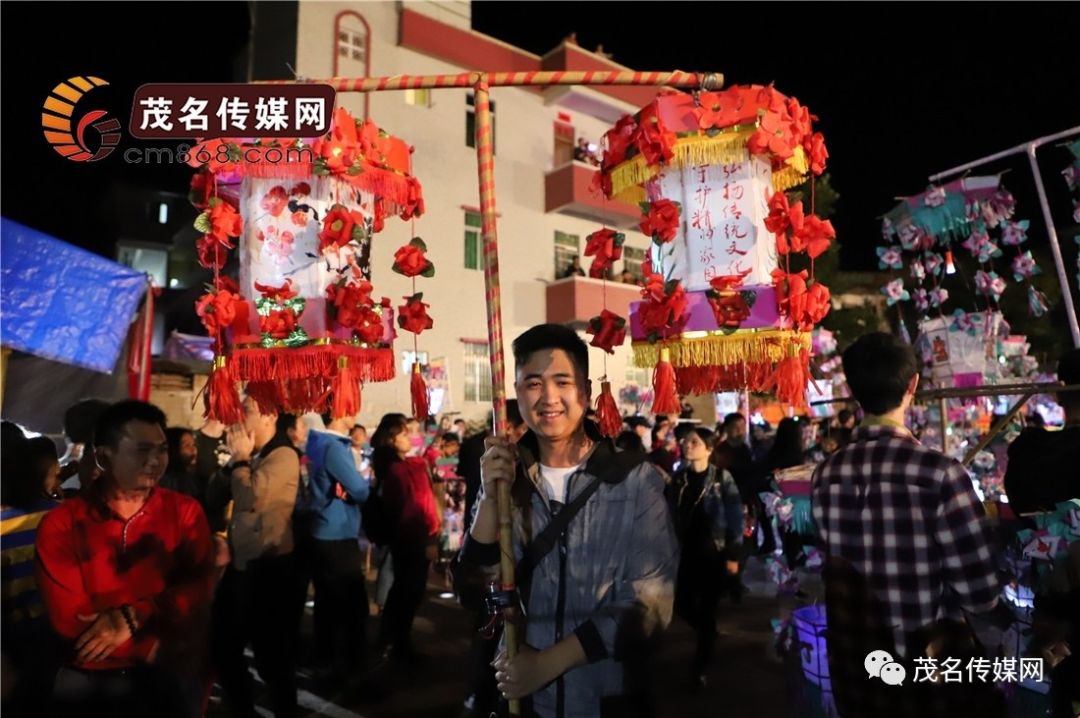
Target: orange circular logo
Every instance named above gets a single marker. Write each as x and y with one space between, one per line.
67 130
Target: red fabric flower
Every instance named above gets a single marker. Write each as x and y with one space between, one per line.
814 145
770 100
347 302
653 140
795 222
338 225
275 201
414 202
277 294
773 136
369 325
777 221
217 310
411 261
664 310
202 187
413 316
790 292
212 253
662 221
606 246
608 331
720 110
618 141
279 323
601 183
813 236
817 304
800 120
225 221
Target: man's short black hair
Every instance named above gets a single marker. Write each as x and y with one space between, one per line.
553 336
879 367
730 419
361 427
80 418
451 438
459 421
110 424
635 421
845 415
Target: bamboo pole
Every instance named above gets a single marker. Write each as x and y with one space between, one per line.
708 81
485 159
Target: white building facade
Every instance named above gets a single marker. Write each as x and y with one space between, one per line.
545 207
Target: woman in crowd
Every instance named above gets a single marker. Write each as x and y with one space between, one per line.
404 483
708 522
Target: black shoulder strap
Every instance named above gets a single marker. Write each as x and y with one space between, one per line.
546 540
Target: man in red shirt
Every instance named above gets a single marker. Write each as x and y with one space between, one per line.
126 574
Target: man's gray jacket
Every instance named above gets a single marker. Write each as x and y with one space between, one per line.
610 578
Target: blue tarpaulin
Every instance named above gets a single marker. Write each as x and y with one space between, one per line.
61 302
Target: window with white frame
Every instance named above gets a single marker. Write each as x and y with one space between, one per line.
352 44
477 372
567 247
633 258
474 245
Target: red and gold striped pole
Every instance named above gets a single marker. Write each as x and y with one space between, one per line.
708 81
485 160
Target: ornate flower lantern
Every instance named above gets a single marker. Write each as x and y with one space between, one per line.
300 328
727 303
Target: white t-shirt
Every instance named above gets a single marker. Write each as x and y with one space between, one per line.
555 481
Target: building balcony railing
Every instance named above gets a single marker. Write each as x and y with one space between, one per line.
568 189
575 300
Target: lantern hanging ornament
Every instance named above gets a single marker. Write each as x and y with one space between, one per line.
722 308
300 328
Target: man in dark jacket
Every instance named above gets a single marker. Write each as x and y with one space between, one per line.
592 602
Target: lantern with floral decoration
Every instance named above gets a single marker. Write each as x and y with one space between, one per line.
300 328
928 234
723 306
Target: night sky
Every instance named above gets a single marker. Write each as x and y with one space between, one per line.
901 91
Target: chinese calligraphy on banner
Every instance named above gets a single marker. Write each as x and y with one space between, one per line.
723 232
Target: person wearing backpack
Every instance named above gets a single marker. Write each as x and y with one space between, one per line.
593 540
334 496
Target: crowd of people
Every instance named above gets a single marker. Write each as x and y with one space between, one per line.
140 567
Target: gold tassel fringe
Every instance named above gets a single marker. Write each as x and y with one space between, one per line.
751 346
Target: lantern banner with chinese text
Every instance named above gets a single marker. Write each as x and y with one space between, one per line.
709 171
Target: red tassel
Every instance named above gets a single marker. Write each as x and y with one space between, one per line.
665 398
222 400
607 412
791 377
419 394
346 391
